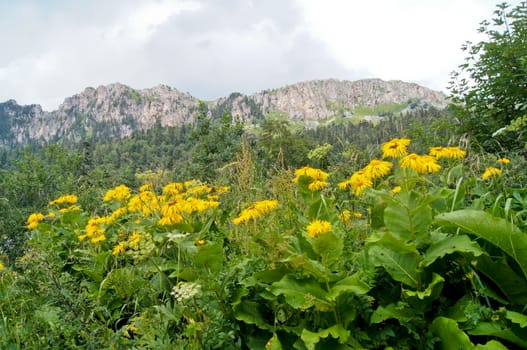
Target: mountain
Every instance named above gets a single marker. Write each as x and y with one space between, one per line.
116 110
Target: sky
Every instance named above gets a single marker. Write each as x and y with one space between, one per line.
52 49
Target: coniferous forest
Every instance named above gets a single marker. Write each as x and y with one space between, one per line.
405 233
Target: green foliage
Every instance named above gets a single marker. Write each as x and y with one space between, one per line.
489 89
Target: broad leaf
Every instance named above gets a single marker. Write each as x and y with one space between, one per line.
499 330
491 345
451 336
249 312
406 222
400 260
311 339
301 294
449 245
497 231
351 284
516 317
431 292
397 311
510 284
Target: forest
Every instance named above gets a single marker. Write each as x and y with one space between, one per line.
406 233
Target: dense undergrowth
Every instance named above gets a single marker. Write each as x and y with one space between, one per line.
411 251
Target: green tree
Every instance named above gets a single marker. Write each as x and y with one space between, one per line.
490 89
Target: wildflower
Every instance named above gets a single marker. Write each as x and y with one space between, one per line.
119 193
357 215
317 228
503 161
185 290
421 164
395 148
360 181
51 215
490 172
146 187
2 266
66 199
314 174
118 249
33 220
98 238
255 211
345 215
378 168
134 240
455 152
317 185
200 242
396 189
173 189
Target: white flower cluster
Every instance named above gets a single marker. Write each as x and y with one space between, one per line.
185 290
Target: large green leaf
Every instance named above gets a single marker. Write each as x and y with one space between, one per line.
491 345
399 259
301 294
431 292
350 284
311 339
501 331
497 231
397 311
517 317
406 222
250 313
451 336
209 257
510 284
449 245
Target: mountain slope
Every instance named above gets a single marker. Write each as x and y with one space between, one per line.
116 110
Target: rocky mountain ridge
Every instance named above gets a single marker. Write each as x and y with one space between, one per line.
117 110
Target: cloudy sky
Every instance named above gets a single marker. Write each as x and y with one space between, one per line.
51 49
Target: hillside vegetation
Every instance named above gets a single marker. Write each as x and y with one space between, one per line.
407 232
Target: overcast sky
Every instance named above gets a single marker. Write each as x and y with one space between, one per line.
52 49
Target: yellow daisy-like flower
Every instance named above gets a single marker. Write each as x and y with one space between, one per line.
255 211
317 228
34 219
317 185
421 164
98 239
118 249
314 174
66 199
359 182
119 193
395 148
377 168
490 172
455 152
173 188
200 242
357 215
134 240
503 161
345 215
396 189
146 187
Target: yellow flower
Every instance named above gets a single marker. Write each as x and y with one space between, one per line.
357 215
118 249
146 187
377 168
421 164
66 199
345 215
134 240
98 239
173 188
396 189
360 181
503 161
490 172
34 219
200 242
1 266
314 174
395 148
317 185
119 193
317 228
255 211
455 152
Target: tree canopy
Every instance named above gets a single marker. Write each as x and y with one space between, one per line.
489 91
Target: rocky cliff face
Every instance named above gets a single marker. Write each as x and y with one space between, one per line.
117 110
